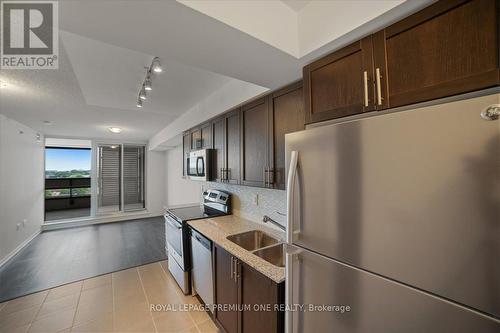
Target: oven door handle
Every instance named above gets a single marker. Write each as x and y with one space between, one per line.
173 224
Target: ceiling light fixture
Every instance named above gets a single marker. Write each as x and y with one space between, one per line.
115 129
147 84
47 122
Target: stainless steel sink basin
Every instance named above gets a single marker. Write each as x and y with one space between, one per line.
273 254
253 240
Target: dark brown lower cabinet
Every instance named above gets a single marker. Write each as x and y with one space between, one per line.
247 290
260 296
226 290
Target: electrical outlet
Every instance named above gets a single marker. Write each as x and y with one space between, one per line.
256 199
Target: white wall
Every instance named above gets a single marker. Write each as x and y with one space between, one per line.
21 185
179 191
155 180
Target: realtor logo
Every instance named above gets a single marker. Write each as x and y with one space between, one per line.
30 37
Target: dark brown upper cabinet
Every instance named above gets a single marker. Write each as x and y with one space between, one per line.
206 136
254 143
286 116
196 139
186 148
233 133
448 48
225 133
340 84
219 146
236 284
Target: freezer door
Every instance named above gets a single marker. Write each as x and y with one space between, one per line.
375 304
412 195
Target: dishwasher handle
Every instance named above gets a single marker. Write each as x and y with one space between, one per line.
202 240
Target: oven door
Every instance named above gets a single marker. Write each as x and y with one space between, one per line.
174 239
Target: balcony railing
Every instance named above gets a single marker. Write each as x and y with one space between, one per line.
67 193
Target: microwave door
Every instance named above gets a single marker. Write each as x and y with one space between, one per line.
200 167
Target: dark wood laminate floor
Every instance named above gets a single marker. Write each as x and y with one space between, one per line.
58 257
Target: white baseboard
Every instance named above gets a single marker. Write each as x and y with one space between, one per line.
19 248
98 220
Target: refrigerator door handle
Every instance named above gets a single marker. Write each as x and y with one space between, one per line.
291 259
290 194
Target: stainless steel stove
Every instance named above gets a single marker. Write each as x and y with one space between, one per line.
215 203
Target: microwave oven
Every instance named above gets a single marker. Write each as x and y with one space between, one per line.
198 165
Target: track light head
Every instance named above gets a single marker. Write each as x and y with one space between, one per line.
148 84
156 65
142 94
139 103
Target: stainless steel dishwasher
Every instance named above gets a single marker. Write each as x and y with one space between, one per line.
202 281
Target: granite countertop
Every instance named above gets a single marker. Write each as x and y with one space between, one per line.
218 228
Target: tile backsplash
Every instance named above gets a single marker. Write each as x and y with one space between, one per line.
269 202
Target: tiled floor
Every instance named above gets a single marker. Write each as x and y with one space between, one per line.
116 302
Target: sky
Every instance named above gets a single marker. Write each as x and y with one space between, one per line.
67 159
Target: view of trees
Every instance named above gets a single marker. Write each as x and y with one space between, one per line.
67 174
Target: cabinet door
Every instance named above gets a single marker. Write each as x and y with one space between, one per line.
226 290
206 136
233 147
254 147
286 116
218 137
196 142
340 84
448 48
186 148
258 290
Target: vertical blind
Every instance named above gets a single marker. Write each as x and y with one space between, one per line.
121 177
133 177
109 176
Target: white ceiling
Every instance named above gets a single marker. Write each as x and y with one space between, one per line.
296 5
104 46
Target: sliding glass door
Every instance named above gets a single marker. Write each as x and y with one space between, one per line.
121 178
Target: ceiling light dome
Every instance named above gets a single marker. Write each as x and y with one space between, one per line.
156 65
115 129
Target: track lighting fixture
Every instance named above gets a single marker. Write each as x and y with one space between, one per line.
147 84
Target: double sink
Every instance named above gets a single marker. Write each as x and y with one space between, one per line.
262 245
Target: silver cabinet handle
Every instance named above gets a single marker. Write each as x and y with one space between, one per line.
290 193
236 265
264 175
379 86
365 83
270 175
232 269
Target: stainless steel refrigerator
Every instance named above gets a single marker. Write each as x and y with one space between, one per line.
397 216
